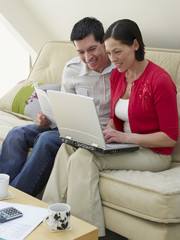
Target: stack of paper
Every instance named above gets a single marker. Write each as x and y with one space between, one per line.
45 105
19 228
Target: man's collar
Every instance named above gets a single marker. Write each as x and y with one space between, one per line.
85 70
109 68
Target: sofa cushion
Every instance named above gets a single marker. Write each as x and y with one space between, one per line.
23 99
152 196
47 68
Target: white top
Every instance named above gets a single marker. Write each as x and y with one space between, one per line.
78 79
121 111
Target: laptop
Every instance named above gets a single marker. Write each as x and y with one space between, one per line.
78 123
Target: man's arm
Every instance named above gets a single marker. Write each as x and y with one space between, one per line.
69 76
110 123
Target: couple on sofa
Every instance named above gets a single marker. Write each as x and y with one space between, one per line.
111 68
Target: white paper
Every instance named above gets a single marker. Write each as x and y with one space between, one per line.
19 228
45 106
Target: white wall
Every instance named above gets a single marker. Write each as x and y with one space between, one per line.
21 22
14 61
42 20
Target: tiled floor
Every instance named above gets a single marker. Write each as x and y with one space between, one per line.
112 236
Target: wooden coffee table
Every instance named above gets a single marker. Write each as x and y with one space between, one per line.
80 230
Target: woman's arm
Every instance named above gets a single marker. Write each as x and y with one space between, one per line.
152 140
158 139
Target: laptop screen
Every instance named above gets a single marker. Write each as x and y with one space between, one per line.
77 118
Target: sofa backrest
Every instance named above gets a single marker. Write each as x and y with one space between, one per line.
54 54
51 60
169 60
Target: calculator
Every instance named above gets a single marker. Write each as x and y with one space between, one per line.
9 213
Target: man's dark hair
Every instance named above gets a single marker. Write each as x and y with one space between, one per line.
126 31
87 26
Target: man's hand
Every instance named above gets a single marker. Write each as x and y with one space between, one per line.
42 120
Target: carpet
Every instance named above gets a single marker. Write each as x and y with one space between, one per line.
112 236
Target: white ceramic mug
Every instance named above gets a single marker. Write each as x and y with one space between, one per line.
58 218
4 184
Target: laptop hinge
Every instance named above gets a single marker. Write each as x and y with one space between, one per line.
68 137
94 145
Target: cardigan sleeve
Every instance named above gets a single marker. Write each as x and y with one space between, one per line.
164 92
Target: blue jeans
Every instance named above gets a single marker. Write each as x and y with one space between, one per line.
29 175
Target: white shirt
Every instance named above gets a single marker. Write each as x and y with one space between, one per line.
78 79
121 111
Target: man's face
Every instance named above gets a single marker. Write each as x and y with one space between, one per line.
92 53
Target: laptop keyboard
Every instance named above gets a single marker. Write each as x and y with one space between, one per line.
112 145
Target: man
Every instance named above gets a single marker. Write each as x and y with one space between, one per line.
88 75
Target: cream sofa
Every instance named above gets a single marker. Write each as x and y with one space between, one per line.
137 205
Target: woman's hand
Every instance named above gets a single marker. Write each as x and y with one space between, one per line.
42 120
112 135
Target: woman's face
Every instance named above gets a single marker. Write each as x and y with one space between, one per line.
122 55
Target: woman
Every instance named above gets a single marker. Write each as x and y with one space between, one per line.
143 111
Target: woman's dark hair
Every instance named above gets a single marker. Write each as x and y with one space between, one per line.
87 26
126 31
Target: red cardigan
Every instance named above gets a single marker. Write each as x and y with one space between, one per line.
152 103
